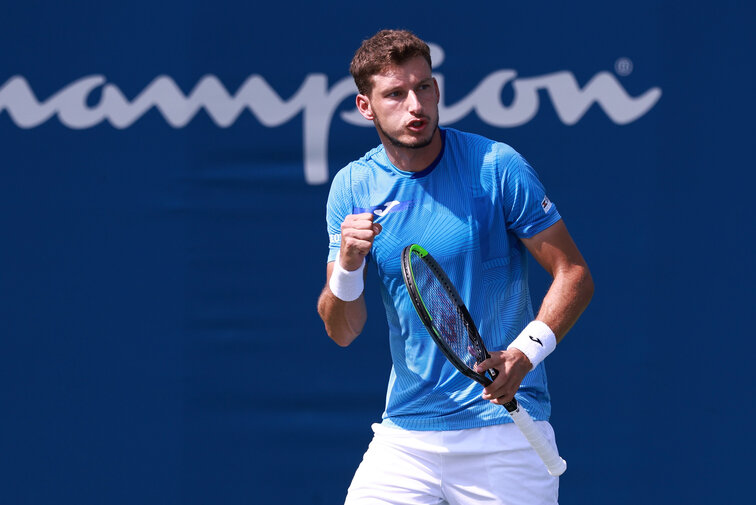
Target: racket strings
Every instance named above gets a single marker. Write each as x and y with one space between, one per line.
446 315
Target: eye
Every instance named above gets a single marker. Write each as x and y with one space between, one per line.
425 87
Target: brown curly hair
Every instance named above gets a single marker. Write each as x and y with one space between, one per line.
385 48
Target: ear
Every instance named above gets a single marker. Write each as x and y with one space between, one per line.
363 105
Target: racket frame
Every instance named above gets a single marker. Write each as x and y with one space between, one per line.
554 463
425 317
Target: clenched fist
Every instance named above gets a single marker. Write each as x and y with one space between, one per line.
357 234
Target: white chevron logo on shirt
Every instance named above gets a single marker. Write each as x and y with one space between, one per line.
388 205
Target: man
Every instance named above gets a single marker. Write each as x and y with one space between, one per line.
476 205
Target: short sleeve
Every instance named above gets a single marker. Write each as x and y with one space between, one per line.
527 209
339 206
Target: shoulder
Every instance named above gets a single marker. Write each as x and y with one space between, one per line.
492 159
359 169
475 144
352 182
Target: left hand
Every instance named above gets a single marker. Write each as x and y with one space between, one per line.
512 365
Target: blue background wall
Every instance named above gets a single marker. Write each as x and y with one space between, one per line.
158 336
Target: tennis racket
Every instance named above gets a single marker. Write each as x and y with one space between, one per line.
448 321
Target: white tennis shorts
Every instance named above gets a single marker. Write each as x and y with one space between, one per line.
491 465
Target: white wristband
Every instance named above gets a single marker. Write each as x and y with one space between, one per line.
536 342
347 285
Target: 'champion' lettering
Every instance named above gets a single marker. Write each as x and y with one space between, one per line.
316 102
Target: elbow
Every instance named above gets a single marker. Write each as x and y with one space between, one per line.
580 281
342 337
343 321
342 341
340 331
587 285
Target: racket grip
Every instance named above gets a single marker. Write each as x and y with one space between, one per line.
550 457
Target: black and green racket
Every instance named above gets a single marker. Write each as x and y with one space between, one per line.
448 321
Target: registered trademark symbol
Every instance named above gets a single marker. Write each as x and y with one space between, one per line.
623 66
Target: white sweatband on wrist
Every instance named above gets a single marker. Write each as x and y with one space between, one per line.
347 285
536 342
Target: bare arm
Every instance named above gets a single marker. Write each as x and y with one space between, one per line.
343 320
567 297
572 288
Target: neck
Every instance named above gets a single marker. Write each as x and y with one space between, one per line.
413 160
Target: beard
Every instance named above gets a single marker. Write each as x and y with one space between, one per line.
415 144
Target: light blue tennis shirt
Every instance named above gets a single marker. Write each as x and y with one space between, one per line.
468 209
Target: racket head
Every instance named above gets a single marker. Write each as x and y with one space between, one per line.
443 312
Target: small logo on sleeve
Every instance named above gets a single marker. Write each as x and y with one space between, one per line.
546 204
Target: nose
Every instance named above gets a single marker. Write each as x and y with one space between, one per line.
413 103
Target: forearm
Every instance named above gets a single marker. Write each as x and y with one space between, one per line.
343 321
567 298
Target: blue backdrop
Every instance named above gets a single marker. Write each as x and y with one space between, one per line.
163 176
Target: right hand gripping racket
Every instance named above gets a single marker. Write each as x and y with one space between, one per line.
448 321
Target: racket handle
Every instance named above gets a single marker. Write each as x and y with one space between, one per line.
554 463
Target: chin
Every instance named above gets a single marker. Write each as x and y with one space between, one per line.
418 143
414 142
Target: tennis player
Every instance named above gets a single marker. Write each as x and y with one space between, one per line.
477 206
